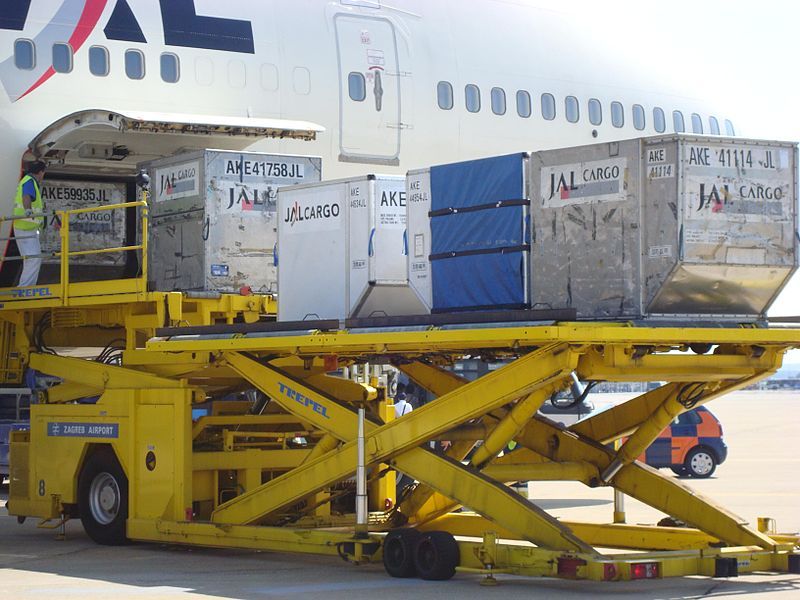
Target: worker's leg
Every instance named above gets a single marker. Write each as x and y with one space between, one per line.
28 245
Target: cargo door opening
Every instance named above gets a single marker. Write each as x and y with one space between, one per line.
369 90
93 157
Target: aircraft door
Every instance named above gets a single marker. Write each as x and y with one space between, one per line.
369 90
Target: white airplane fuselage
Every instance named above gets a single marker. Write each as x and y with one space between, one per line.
304 59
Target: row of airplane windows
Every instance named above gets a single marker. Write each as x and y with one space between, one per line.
99 60
170 66
572 110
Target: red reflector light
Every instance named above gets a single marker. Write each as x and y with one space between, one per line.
648 570
568 566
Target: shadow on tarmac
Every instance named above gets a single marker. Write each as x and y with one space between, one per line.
29 556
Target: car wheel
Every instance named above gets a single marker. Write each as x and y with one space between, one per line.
680 471
701 463
103 498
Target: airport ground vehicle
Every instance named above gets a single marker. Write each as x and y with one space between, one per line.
692 445
133 464
115 443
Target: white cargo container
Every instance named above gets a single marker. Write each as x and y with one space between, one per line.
213 218
468 234
342 250
680 227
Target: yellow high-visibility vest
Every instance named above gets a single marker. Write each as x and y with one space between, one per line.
29 223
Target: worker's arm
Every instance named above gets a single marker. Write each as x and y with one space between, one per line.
27 202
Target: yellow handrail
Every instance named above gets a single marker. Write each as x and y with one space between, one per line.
65 253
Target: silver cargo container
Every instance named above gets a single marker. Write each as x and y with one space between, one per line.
342 250
87 231
213 218
676 227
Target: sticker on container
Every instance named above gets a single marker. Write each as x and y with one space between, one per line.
659 251
583 183
416 267
660 171
359 264
656 155
219 270
179 181
419 245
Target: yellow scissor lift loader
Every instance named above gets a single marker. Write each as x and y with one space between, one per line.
116 444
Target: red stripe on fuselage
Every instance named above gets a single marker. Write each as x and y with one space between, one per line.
92 9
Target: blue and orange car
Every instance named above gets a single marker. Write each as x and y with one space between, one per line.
691 446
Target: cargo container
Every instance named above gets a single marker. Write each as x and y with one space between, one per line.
342 250
213 218
675 227
468 234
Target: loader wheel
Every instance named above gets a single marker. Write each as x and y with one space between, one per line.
103 498
398 552
436 556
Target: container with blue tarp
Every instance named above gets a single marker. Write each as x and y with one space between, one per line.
468 234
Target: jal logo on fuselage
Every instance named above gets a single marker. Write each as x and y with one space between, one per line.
182 25
76 20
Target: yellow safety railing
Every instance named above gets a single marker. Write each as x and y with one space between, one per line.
65 254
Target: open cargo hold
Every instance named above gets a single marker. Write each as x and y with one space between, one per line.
342 250
675 227
214 218
468 234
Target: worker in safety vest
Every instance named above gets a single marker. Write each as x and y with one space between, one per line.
29 204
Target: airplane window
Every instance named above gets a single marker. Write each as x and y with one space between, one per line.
523 104
24 54
677 121
548 107
595 111
659 121
269 77
444 95
617 114
357 86
301 79
62 58
638 116
498 101
170 67
697 123
134 64
204 70
472 96
714 124
98 61
571 108
729 130
237 74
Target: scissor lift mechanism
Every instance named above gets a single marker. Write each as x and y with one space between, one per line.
235 479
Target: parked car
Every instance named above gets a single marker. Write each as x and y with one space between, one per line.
691 446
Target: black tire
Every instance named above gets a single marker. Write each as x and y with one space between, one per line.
398 552
701 462
680 471
103 498
436 556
